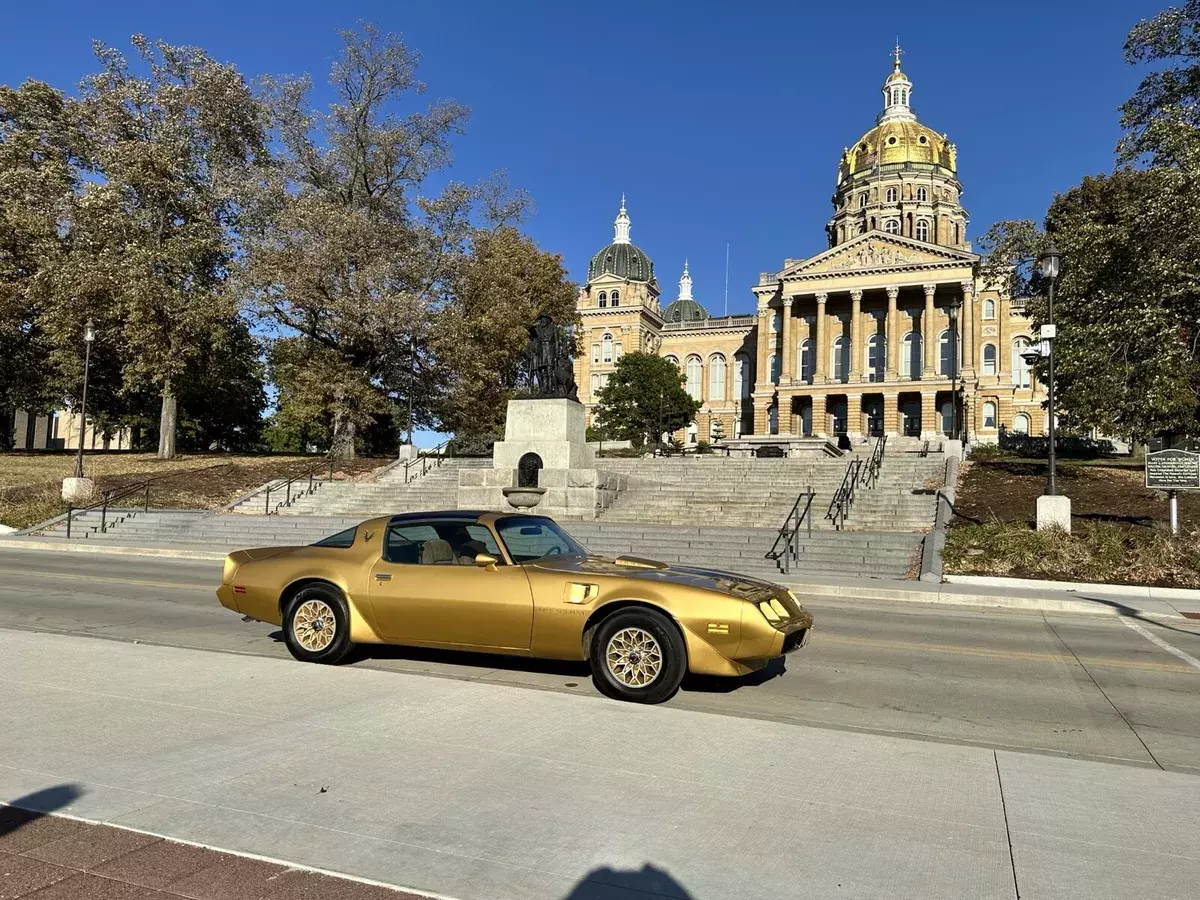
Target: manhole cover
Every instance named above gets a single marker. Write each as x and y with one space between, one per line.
1191 615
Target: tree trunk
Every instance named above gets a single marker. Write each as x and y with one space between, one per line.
166 424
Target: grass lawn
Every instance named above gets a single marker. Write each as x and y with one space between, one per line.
1120 530
30 482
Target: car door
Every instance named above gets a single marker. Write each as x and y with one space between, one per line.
420 596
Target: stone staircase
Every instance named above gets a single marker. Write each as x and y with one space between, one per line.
436 489
826 553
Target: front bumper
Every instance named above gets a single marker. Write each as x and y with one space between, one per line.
225 595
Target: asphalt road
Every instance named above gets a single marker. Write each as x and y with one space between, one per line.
1073 685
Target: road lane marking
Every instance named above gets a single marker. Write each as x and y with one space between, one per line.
1155 639
182 585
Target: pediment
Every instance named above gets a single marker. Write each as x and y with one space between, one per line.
877 251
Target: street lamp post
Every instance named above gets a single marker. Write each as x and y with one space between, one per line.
89 335
1049 264
412 367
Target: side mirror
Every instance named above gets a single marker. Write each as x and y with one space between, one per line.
486 561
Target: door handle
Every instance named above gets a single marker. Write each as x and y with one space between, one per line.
382 576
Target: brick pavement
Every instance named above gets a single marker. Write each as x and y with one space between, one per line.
47 857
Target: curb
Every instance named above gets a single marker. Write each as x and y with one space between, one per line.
110 550
1083 587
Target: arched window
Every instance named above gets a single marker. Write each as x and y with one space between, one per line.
773 368
947 355
603 299
1020 368
1021 424
910 355
989 359
742 382
989 309
892 226
776 321
716 377
876 357
922 194
806 361
695 374
615 298
862 200
891 195
692 431
607 343
989 414
595 353
922 230
841 358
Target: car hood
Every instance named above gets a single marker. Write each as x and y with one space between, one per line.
753 589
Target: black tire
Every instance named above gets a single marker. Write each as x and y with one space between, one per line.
647 629
310 599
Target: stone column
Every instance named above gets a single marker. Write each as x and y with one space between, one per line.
893 336
970 348
854 417
821 350
856 337
762 374
928 337
787 351
929 416
891 414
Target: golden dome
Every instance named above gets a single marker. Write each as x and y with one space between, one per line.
899 141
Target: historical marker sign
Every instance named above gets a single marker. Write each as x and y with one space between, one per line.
1173 470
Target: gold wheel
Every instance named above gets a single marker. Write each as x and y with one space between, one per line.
634 658
314 625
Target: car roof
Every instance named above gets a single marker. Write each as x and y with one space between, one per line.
490 515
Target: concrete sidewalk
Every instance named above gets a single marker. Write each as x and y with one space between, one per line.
485 792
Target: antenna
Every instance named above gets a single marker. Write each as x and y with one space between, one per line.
727 278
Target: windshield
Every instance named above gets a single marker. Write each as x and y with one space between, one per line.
533 537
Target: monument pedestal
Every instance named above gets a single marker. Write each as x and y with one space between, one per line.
1054 512
545 446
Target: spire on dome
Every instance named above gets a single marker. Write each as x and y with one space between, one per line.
896 56
621 225
897 90
685 284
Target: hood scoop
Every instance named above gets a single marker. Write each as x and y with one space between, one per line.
636 562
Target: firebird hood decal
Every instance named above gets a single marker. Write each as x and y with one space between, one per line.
690 576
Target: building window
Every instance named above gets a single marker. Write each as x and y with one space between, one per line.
776 321
910 355
841 359
891 195
922 194
742 382
946 356
603 301
1021 424
692 433
695 374
922 230
773 368
876 357
595 384
989 309
673 361
1020 368
989 359
806 361
607 342
617 351
595 353
892 226
862 200
989 414
773 418
615 297
956 232
716 377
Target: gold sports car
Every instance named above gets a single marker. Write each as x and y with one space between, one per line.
518 585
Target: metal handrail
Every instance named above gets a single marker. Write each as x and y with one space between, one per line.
112 495
309 473
843 498
423 457
870 475
789 532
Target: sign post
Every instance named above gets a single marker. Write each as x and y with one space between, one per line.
1173 471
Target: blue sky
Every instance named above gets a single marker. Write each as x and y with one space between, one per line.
721 122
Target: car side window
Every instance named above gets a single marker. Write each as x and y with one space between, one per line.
483 535
405 544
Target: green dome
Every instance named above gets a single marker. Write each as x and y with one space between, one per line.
624 260
684 310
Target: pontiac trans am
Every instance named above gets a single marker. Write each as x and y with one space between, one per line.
516 585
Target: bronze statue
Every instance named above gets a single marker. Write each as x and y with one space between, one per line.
549 370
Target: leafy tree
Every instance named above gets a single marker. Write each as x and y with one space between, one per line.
1162 118
644 397
482 332
171 148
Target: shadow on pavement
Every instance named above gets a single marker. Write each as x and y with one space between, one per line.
647 883
708 684
33 806
1130 612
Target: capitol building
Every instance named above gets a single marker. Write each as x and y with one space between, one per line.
875 335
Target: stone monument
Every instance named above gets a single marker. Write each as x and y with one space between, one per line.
544 464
